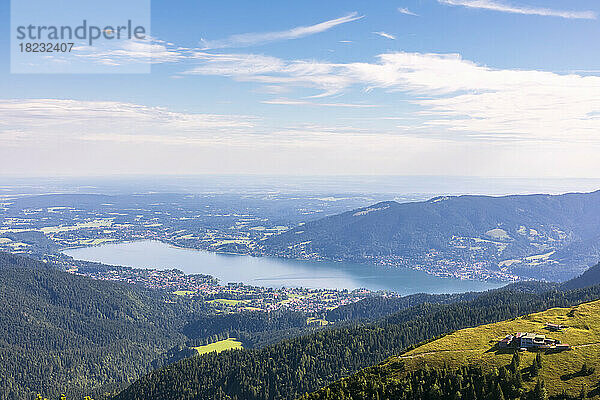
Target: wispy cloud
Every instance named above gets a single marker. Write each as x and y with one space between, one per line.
385 35
148 50
253 39
271 71
290 102
406 11
156 51
27 124
456 96
41 119
495 5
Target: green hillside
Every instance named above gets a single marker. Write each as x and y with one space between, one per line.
63 333
69 334
534 236
290 368
563 373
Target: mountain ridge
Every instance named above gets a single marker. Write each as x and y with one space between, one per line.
548 237
476 351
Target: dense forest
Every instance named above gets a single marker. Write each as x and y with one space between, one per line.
63 333
68 334
466 383
296 366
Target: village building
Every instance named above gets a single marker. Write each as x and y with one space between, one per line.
527 340
531 340
554 327
506 341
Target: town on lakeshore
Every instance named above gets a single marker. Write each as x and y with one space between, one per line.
230 297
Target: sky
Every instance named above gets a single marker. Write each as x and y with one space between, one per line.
408 87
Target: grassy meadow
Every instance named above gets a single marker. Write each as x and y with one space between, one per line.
477 346
222 345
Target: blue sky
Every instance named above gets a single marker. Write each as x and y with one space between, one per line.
417 87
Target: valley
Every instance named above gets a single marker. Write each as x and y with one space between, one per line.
260 296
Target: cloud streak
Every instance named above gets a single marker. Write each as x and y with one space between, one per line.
253 39
495 5
290 102
406 11
385 35
149 50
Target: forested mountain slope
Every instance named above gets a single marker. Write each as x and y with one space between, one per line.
588 278
293 367
469 364
534 236
62 333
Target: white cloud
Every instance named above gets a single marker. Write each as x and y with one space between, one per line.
406 11
495 5
235 64
48 119
271 71
149 50
385 35
461 96
35 121
457 97
156 51
53 137
252 39
290 102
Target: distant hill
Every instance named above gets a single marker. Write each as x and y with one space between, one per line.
533 236
470 362
588 278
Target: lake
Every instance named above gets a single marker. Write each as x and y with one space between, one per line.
274 272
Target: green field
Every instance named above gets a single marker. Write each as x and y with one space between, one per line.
222 345
476 346
229 302
183 292
99 223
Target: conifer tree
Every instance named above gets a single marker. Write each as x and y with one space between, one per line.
583 394
539 392
497 393
534 369
516 360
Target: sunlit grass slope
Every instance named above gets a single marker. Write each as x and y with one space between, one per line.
220 346
477 346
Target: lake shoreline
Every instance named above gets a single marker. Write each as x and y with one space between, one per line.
316 261
266 271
